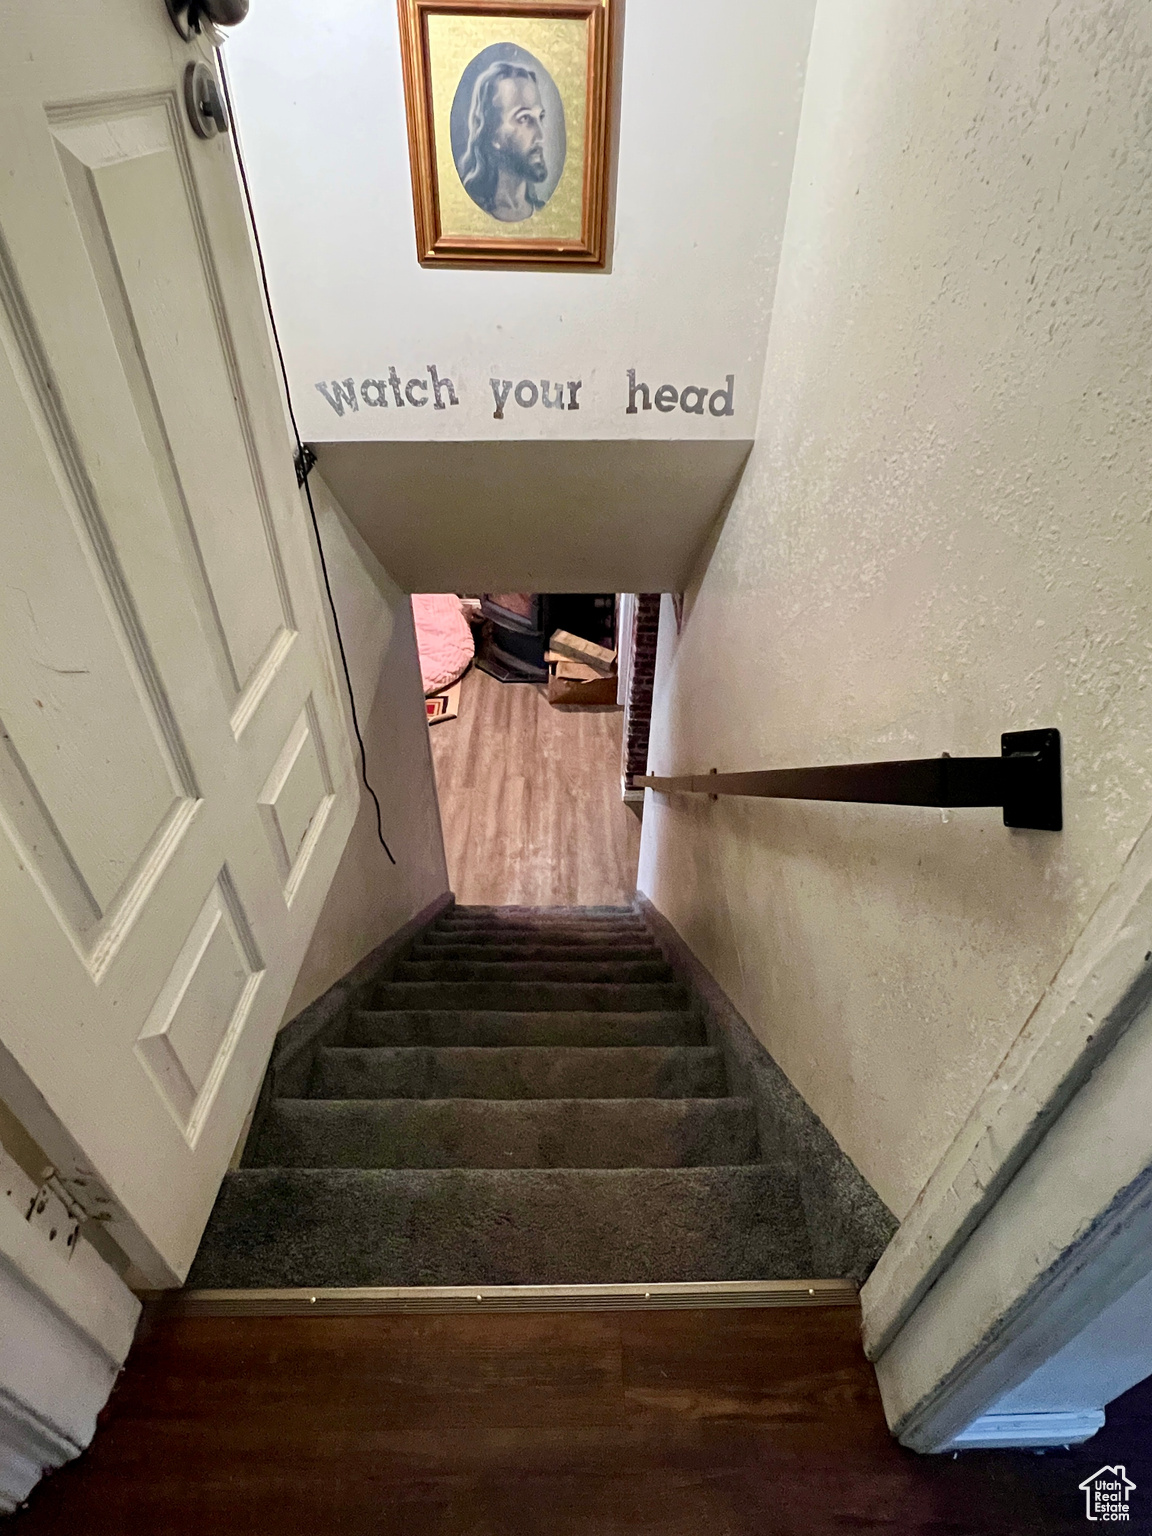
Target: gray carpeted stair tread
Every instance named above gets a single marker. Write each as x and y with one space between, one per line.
534 996
580 969
505 1133
569 922
469 1026
462 909
463 913
385 1227
469 934
589 926
519 936
534 951
531 1099
518 1072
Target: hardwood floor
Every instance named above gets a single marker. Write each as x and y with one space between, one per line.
699 1423
530 800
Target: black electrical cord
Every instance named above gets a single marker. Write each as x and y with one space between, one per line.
304 456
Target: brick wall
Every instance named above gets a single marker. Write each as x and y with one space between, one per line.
638 705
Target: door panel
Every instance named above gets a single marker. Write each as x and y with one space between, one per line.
190 1034
152 238
296 800
96 774
176 777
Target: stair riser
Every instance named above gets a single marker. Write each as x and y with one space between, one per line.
556 917
467 933
562 952
530 1072
507 1133
526 916
540 915
281 1228
533 997
581 970
481 910
479 1028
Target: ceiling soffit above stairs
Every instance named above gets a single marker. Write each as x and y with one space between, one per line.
619 515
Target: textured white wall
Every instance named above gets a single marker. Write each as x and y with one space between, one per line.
369 898
709 107
943 533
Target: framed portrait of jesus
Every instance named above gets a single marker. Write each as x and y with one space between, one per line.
508 105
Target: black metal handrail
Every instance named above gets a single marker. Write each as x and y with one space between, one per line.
1024 780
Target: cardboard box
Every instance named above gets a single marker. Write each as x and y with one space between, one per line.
571 691
576 672
574 648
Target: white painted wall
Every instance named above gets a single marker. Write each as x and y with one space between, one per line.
942 533
370 899
709 107
1112 1353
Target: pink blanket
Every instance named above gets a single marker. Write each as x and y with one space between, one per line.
443 639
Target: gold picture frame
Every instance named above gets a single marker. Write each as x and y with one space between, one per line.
508 105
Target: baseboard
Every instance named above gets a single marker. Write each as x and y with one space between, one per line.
849 1223
1006 1431
29 1447
367 1300
54 1379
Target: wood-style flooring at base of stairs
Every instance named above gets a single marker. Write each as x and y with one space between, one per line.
530 800
698 1423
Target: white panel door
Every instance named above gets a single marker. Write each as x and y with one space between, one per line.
176 780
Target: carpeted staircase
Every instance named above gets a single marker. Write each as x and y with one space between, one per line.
529 1099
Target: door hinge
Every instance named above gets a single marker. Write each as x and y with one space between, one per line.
305 461
54 1211
47 1205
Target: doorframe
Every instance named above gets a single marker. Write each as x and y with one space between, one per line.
1039 1215
75 1173
70 1323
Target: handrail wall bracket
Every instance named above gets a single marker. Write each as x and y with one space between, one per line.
1034 800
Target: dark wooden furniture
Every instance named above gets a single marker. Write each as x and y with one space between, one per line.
519 625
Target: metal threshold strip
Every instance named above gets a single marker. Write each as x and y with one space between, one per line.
361 1301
